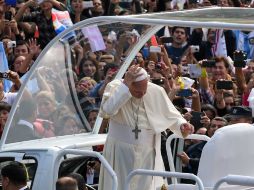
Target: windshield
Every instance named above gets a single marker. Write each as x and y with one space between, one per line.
63 91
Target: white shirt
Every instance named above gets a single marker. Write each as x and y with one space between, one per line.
9 97
23 188
28 124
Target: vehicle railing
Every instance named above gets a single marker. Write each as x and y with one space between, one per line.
92 154
169 150
163 174
235 180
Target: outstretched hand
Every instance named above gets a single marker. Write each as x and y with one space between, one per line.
33 47
186 129
184 157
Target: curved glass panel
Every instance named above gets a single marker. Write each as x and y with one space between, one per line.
63 90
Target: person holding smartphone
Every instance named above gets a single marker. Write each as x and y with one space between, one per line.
191 157
9 97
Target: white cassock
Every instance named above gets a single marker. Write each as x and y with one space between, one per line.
152 114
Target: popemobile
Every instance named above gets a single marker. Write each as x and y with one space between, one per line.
75 143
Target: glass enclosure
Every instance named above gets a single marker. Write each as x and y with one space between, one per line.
56 97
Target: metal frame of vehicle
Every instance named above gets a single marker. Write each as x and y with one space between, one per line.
47 151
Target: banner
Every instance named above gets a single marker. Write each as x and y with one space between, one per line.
220 48
94 37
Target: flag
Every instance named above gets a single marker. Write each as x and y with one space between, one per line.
4 67
220 48
61 20
154 41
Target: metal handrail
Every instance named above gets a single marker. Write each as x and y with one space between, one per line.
235 180
163 174
169 151
88 153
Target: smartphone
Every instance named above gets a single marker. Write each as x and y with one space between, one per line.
224 84
185 93
4 75
11 2
239 59
208 63
155 49
166 40
193 1
158 81
195 119
87 4
8 15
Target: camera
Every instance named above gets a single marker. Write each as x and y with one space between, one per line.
8 15
11 44
166 40
208 63
185 93
224 84
239 58
194 49
158 81
158 66
185 70
4 75
195 119
193 1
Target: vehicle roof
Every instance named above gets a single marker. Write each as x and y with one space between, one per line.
61 142
232 15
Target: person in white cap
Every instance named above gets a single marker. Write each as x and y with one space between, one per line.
139 111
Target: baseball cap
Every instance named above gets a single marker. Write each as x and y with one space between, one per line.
240 111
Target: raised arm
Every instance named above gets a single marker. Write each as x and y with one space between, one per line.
240 79
22 10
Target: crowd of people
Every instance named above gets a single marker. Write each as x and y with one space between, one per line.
206 73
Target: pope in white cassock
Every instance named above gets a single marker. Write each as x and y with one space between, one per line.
139 111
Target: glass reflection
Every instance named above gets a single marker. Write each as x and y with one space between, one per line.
63 93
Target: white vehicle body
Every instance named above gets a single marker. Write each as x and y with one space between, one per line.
57 56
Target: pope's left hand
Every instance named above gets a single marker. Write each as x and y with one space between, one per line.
186 129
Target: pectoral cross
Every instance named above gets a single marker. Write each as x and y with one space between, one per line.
136 131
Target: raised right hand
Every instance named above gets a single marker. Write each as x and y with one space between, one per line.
131 75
